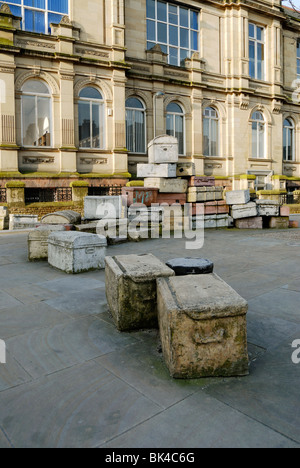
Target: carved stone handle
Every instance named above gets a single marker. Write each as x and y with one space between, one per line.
204 340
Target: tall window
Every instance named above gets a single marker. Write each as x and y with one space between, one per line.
37 15
174 28
210 132
288 140
36 114
256 52
91 119
258 135
175 125
298 59
135 126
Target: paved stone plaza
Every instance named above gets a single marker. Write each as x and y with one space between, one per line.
72 380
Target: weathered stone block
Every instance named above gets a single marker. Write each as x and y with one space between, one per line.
294 224
103 207
204 194
143 195
248 210
222 221
131 290
167 185
279 222
202 182
17 222
238 197
223 208
203 327
268 208
4 218
38 241
250 223
171 198
186 170
75 252
156 171
190 266
163 149
285 211
62 217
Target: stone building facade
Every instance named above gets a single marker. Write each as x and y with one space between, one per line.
84 87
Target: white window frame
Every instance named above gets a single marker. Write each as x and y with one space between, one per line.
145 123
287 129
101 104
262 122
217 119
174 114
36 95
256 43
45 10
189 28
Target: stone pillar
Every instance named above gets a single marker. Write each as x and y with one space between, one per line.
8 147
80 190
15 193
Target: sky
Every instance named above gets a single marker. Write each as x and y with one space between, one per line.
296 3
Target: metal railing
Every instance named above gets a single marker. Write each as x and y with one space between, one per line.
47 195
105 190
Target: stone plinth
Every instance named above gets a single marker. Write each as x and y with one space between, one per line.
203 327
75 252
131 290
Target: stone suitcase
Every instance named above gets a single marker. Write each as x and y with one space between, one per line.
250 223
163 149
131 290
171 198
103 207
38 241
202 182
203 327
18 222
167 171
139 195
279 222
76 252
186 170
62 217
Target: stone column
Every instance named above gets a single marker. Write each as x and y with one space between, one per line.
80 190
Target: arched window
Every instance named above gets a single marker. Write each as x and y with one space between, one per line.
36 114
175 125
210 132
258 135
135 126
91 119
288 140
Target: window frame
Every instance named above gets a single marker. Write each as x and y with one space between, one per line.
291 128
298 58
256 42
36 96
174 114
257 122
217 119
101 104
143 111
46 11
167 45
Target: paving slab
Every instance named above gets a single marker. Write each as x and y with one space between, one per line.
280 303
12 373
80 304
79 407
201 421
4 443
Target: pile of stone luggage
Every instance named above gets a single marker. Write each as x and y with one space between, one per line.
258 214
57 241
202 321
172 182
